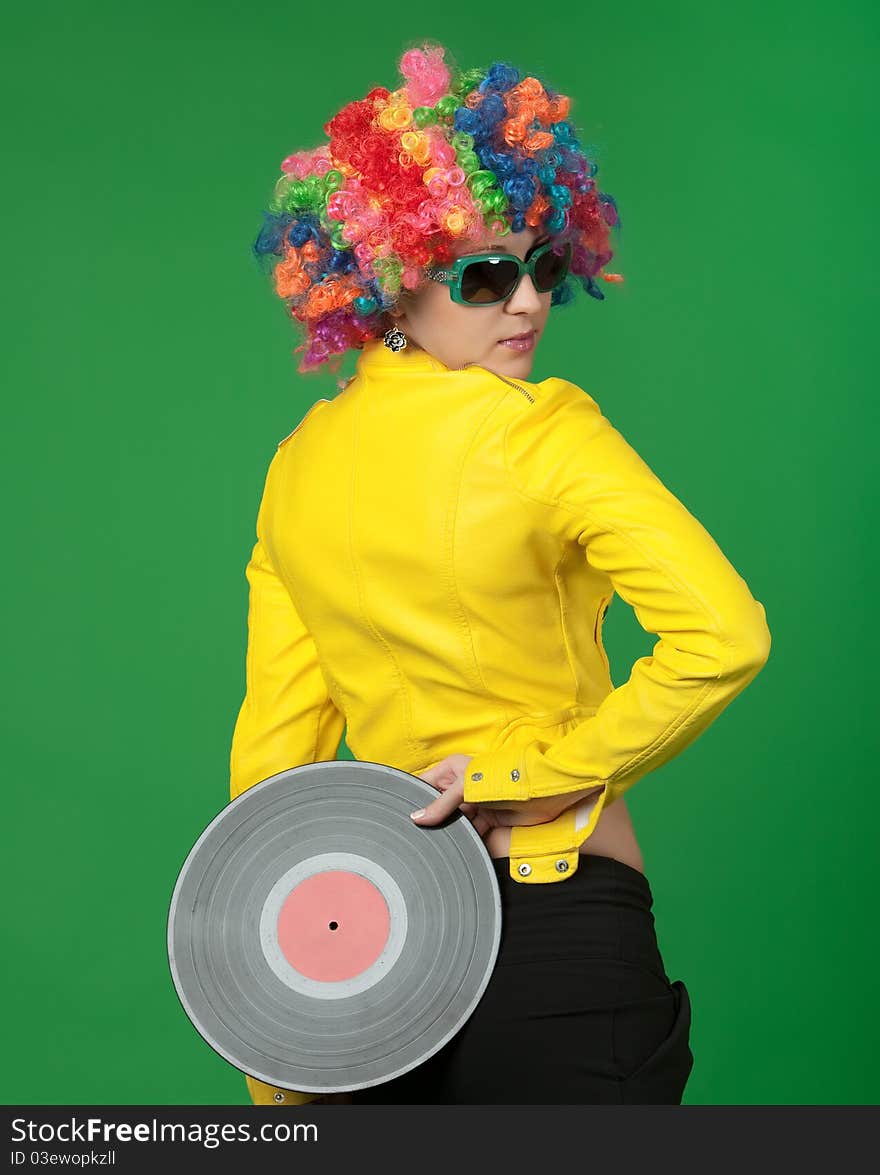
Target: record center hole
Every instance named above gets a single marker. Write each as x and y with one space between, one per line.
334 925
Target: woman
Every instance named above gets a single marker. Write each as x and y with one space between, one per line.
436 550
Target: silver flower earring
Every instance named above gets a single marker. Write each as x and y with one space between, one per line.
395 339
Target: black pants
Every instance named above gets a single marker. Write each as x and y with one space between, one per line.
578 1011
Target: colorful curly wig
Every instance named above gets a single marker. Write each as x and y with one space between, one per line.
409 173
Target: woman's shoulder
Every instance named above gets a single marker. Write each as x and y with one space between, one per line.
560 392
555 408
564 446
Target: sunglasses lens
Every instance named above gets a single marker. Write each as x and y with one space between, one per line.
551 268
488 281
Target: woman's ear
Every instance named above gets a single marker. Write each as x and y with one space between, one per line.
400 312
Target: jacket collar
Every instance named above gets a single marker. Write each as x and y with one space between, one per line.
380 363
376 358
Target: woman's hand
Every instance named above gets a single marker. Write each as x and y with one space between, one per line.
447 777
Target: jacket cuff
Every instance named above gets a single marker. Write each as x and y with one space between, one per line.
496 775
521 773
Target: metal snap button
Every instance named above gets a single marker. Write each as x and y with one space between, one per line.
524 869
279 1097
562 865
477 775
514 775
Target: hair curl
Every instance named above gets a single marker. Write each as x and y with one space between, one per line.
408 173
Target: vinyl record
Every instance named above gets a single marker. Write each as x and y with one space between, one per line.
320 940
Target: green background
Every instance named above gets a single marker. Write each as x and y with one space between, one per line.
150 373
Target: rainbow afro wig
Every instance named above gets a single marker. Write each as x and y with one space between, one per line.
408 174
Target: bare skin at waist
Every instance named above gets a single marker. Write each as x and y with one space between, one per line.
613 836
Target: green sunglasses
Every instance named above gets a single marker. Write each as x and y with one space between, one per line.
482 279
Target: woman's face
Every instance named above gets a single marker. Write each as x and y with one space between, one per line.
458 335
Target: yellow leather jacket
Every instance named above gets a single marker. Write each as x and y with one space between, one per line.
436 549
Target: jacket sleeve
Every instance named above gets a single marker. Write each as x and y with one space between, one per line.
713 635
287 717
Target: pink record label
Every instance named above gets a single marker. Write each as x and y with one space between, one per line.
333 925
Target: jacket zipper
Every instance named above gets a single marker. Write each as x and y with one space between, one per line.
528 395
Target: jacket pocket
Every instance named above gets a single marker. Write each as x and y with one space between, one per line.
604 605
661 1079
